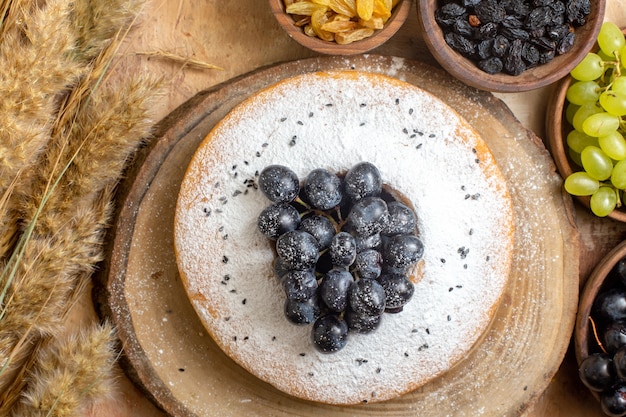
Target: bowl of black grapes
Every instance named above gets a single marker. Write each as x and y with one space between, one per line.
600 332
509 45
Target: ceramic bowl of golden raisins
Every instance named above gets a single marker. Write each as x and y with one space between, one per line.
509 45
341 27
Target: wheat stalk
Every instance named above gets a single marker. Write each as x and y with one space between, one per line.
9 9
66 238
67 371
59 202
97 23
34 73
186 61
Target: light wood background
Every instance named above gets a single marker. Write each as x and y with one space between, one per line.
240 36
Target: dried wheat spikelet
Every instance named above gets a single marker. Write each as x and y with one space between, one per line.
67 369
186 61
71 131
34 72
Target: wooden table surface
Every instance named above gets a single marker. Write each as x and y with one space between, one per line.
242 35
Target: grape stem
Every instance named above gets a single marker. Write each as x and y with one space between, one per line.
617 70
595 334
308 209
339 216
302 203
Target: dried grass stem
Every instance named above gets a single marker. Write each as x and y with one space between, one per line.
186 61
68 132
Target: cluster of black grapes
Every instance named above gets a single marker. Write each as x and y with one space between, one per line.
343 249
604 370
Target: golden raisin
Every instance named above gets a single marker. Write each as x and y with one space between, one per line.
341 21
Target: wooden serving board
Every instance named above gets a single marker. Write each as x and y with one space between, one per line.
168 353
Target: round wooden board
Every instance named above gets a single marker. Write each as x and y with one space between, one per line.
169 354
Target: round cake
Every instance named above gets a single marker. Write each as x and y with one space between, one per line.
425 152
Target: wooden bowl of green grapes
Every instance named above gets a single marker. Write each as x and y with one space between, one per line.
586 126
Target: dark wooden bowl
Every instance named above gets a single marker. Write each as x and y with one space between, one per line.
557 128
599 280
397 19
466 70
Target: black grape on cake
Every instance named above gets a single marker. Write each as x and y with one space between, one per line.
343 247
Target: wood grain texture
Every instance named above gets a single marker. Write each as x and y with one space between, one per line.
171 356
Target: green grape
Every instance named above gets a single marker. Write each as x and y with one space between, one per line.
603 201
614 145
575 157
613 102
600 124
619 84
623 62
610 38
583 113
596 163
570 111
589 69
582 92
618 176
605 57
577 141
581 184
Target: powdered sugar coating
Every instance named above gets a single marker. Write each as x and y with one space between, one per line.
334 120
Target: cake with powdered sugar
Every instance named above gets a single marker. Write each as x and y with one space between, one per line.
429 158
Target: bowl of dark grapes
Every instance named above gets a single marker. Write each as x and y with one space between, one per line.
509 45
346 249
586 129
600 332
